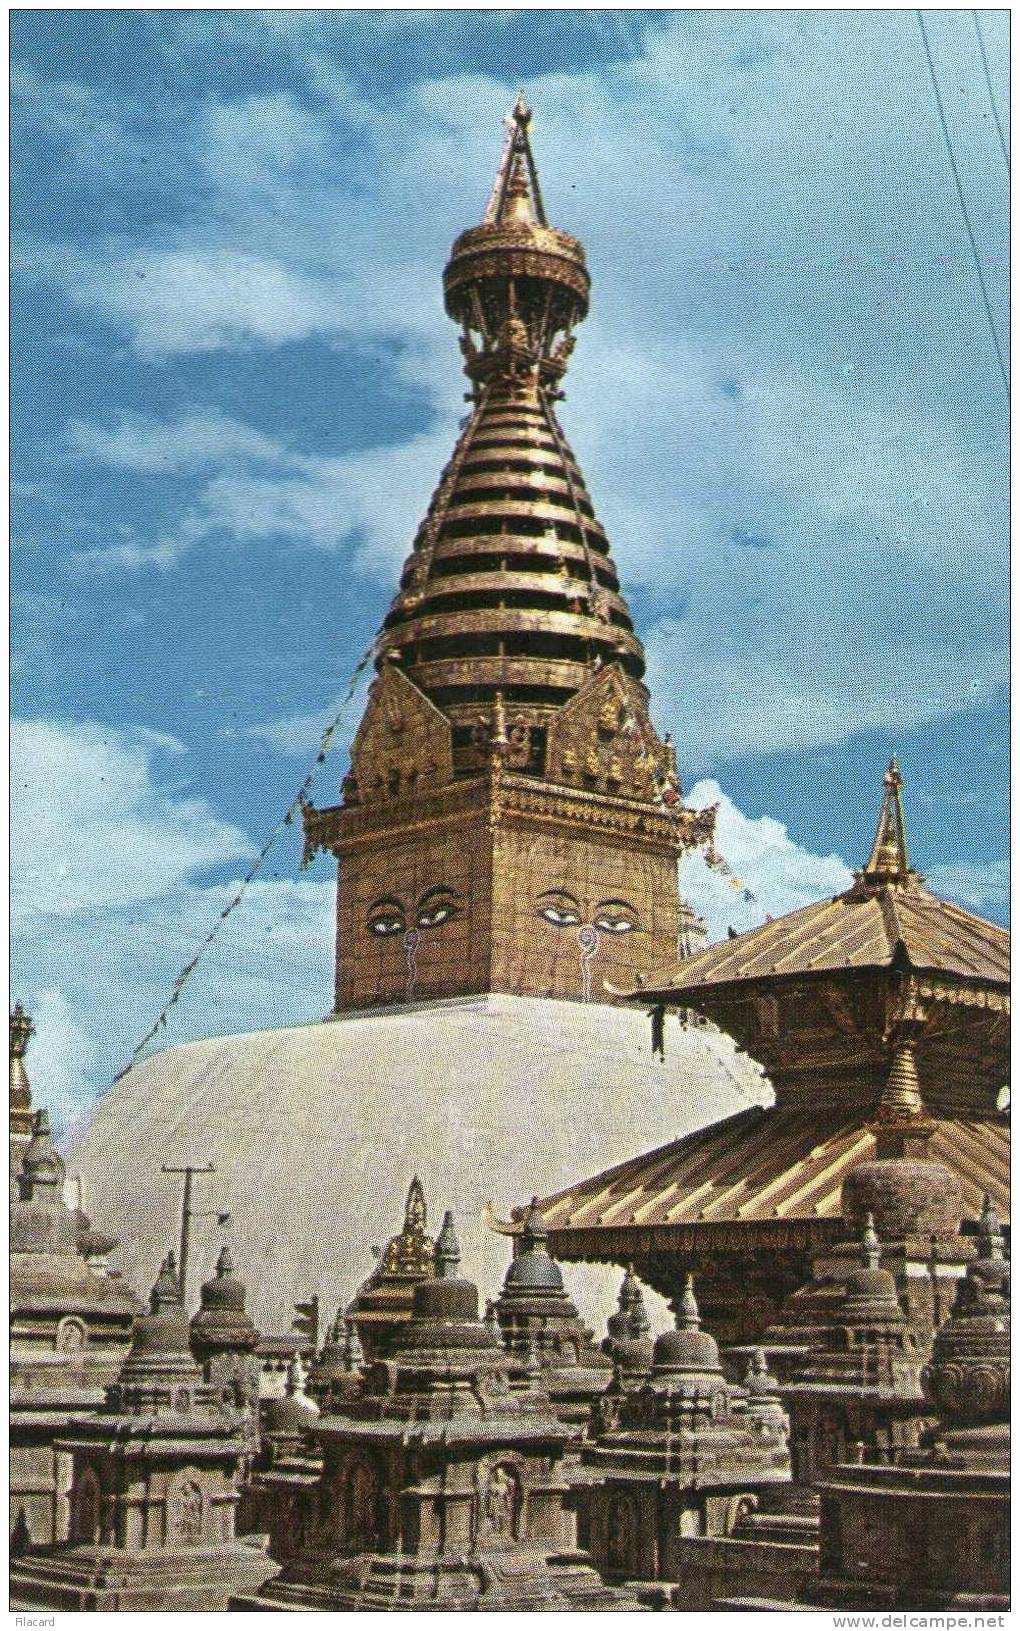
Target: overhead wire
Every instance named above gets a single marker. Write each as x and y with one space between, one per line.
1003 143
972 240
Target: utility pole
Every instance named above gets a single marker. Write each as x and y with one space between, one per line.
186 1216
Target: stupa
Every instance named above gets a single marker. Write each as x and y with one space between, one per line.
154 1486
508 840
70 1319
443 1482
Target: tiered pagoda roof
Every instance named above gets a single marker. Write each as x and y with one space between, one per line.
882 1020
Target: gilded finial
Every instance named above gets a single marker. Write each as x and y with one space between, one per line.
415 1215
901 1097
22 1029
889 861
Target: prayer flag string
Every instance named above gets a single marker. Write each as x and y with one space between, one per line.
297 803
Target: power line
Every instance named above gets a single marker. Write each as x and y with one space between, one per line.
963 202
991 93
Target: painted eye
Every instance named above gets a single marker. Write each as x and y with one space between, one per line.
434 915
615 925
562 916
386 923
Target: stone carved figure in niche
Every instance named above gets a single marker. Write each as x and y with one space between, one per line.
563 910
71 1336
86 1508
621 1535
361 1505
501 1503
186 1513
388 915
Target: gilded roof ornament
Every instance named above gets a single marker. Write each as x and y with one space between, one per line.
889 861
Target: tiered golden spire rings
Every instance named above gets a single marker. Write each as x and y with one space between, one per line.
889 861
516 285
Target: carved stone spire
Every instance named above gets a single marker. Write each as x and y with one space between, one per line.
22 1029
447 1250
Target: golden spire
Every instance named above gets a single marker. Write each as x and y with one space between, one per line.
889 861
516 194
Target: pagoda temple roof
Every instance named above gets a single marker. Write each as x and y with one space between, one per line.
783 1165
886 916
853 930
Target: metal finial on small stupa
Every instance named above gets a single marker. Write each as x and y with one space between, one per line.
491 1320
166 1291
688 1314
990 1239
871 1250
447 1250
353 1355
224 1263
535 1230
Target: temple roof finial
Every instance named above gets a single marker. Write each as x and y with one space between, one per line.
889 861
415 1215
516 194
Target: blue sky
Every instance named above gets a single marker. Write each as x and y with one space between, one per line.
234 389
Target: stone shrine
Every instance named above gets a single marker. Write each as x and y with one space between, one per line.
678 1457
70 1317
155 1482
442 1483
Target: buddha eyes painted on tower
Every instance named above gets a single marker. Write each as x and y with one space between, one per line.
390 916
608 917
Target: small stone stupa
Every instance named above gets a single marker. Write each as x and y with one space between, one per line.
676 1458
538 1319
70 1318
933 1530
154 1486
442 1484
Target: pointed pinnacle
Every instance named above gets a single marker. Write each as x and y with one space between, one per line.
688 1315
989 1231
871 1251
447 1254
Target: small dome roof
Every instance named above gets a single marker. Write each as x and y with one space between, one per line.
688 1348
533 1269
224 1290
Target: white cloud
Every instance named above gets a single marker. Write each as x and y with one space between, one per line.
197 439
780 874
110 903
784 398
95 824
